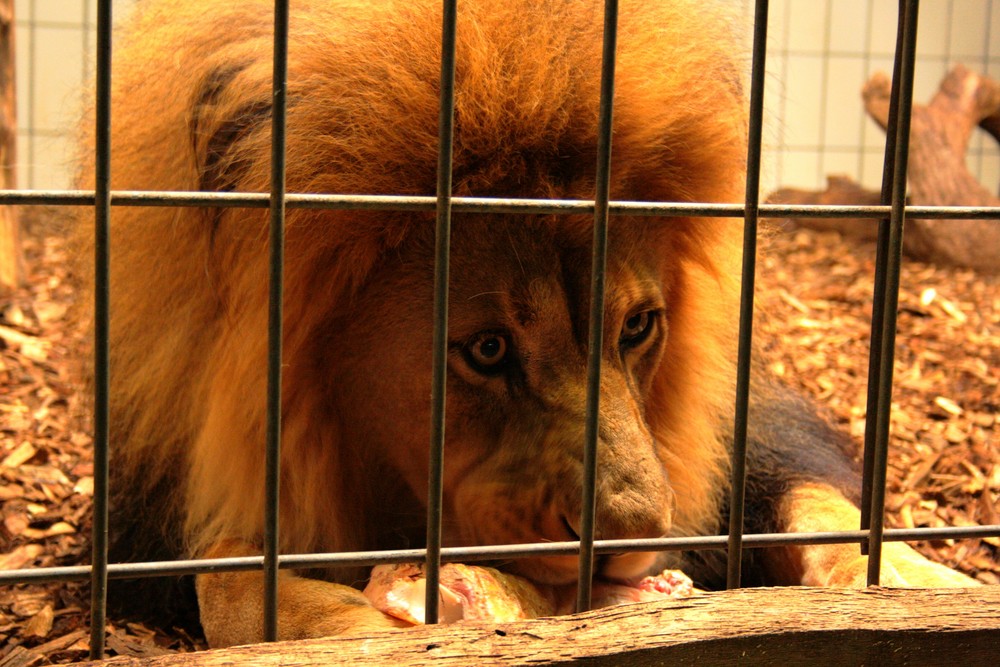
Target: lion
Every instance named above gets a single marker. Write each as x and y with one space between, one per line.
192 112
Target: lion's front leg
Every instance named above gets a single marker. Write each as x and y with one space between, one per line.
231 605
817 508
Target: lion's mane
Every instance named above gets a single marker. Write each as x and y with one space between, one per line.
191 100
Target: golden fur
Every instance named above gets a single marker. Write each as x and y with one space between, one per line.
192 88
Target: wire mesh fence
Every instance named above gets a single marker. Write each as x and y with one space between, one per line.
889 216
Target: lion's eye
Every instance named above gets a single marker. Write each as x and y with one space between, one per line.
487 353
636 329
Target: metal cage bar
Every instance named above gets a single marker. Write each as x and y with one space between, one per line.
891 216
878 291
734 556
102 309
595 340
181 199
442 250
272 454
482 554
909 9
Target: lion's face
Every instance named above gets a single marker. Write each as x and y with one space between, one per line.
517 373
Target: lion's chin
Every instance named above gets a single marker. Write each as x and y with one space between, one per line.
547 570
563 570
628 565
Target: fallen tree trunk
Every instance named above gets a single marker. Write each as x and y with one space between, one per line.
786 626
839 190
937 175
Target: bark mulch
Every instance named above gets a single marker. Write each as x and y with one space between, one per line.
814 300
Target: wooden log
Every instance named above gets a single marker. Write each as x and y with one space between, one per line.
938 175
783 626
839 190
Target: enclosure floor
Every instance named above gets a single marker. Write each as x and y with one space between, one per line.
814 304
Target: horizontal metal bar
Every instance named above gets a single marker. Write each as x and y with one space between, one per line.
484 205
486 553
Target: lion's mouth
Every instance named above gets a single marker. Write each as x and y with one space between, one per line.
565 570
627 565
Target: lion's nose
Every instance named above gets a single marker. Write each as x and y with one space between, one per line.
630 514
613 524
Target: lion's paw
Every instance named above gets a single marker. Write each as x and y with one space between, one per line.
902 567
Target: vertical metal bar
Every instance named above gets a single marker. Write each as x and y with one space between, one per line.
909 8
597 280
824 93
783 151
752 200
869 26
85 61
102 309
948 27
442 250
987 39
878 293
274 325
32 121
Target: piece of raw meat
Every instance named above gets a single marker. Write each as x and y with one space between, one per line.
469 592
666 584
466 593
